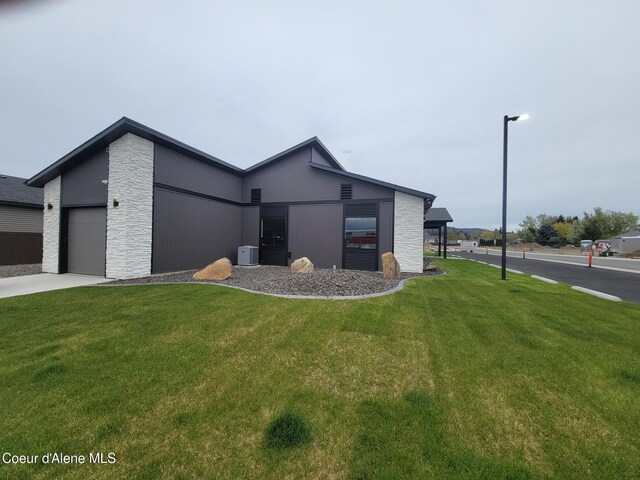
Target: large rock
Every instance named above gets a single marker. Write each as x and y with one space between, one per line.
302 265
427 265
219 270
390 266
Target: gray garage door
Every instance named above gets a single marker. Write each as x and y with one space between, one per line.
87 240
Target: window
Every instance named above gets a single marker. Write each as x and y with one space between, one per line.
360 233
256 195
273 232
346 191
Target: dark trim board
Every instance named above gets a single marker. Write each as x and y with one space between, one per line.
83 205
63 243
34 206
184 191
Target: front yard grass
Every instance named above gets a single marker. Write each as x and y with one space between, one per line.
458 376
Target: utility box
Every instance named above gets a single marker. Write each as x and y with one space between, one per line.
247 255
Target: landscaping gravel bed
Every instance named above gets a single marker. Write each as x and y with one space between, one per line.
280 280
7 271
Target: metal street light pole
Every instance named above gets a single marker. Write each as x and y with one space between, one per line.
507 119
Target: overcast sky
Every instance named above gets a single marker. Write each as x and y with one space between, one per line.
412 93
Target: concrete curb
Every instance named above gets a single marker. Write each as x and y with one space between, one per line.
595 293
543 279
518 272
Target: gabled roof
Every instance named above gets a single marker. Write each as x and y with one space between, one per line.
126 125
629 234
437 214
355 176
313 141
112 133
14 191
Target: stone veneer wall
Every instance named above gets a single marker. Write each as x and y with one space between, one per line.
408 231
129 225
51 227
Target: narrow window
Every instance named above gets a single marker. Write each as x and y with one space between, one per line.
256 195
346 191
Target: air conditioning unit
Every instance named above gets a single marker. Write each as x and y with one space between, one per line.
247 255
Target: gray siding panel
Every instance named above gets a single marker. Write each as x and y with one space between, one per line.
316 231
385 230
82 185
177 170
251 226
292 180
23 220
191 232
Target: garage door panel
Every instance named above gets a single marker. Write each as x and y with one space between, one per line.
87 240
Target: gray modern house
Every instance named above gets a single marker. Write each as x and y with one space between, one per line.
20 222
132 201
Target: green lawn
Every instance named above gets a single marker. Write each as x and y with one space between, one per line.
457 376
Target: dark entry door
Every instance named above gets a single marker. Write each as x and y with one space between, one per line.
273 236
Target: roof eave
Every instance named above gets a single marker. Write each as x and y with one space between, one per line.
380 183
113 132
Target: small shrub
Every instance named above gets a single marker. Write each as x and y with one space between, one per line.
289 430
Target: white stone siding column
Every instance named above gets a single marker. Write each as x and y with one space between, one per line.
51 227
408 217
129 225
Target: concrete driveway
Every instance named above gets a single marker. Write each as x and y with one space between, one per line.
44 282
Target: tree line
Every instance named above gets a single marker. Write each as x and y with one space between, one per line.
560 230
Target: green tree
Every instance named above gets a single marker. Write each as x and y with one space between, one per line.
604 224
563 229
576 233
528 229
547 235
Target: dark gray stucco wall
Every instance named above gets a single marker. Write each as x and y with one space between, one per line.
316 231
175 169
251 226
292 180
385 230
82 185
191 232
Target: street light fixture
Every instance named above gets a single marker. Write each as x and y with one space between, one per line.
507 119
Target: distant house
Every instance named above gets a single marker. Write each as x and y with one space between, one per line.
627 242
20 222
132 201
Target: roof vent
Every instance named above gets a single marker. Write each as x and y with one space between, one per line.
346 191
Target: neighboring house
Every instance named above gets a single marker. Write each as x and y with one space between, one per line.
20 222
626 243
132 201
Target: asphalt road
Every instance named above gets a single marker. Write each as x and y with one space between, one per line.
621 284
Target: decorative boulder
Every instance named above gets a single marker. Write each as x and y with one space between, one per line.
302 265
390 266
427 265
219 270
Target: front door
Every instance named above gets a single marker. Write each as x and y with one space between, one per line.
273 236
